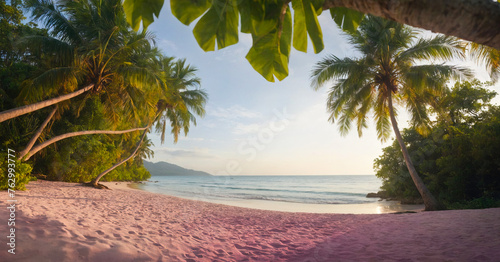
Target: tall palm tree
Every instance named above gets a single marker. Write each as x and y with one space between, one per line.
390 71
184 98
91 45
181 100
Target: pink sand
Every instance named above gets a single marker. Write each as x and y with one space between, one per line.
58 221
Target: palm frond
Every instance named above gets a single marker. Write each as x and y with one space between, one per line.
331 68
439 47
50 14
488 57
54 49
52 82
381 113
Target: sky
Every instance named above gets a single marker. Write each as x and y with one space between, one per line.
255 127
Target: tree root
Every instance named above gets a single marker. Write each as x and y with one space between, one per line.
98 186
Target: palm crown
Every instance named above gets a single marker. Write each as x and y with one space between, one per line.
390 67
185 99
92 44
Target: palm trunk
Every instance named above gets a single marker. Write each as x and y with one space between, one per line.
79 133
429 201
19 111
474 20
95 182
37 134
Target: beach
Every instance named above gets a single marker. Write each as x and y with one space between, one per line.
57 221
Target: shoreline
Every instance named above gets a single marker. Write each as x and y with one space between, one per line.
58 221
379 207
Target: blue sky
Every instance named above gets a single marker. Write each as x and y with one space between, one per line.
254 127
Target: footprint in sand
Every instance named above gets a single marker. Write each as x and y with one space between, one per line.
245 247
131 232
159 245
100 232
277 245
90 237
41 232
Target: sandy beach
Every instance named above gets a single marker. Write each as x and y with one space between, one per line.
58 221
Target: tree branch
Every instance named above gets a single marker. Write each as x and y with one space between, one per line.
78 133
474 20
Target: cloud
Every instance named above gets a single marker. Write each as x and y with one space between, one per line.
232 113
184 153
167 45
242 129
186 138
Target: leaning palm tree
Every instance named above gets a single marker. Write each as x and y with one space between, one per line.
181 100
91 45
89 42
390 71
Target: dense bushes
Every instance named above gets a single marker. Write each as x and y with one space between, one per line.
458 160
82 158
22 173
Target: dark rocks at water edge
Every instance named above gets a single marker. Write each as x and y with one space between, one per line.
379 194
166 169
404 201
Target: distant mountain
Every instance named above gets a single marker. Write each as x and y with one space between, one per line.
166 169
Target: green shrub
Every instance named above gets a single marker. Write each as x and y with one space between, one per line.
478 203
22 173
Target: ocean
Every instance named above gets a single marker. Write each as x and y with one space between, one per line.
317 194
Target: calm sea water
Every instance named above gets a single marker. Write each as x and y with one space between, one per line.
289 189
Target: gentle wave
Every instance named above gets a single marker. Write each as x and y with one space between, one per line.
288 191
305 189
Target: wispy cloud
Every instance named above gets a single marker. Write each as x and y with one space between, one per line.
184 153
187 138
232 113
243 129
167 45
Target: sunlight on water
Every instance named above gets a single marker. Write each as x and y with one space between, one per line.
317 194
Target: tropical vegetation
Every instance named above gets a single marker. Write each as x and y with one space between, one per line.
458 159
88 84
391 70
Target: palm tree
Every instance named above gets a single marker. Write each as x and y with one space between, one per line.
90 49
182 99
390 71
91 45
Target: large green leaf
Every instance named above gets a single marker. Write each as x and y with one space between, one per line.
313 27
299 26
251 12
266 58
306 22
270 53
271 30
142 10
219 22
286 34
347 19
189 10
